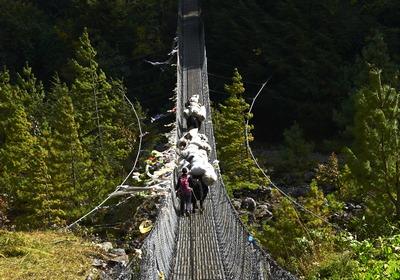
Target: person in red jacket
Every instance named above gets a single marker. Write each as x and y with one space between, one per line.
185 192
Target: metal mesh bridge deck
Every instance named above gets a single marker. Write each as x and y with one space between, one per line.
213 245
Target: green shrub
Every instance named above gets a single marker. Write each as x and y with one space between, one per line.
296 150
12 244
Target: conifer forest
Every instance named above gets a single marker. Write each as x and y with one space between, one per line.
305 107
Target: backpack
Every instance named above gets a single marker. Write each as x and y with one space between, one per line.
184 184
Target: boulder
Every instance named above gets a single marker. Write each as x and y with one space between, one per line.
236 203
120 259
262 212
260 194
296 191
118 252
106 246
93 274
264 192
249 204
98 263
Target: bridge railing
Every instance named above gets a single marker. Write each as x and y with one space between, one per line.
242 258
158 248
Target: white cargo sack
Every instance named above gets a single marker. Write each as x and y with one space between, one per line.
186 113
183 163
190 152
203 137
209 177
182 143
201 145
197 111
199 166
194 98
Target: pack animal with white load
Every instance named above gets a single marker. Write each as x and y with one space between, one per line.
195 150
194 112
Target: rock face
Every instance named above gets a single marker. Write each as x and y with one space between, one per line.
350 210
254 205
113 261
261 193
110 264
296 191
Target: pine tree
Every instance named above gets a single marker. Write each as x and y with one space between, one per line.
69 164
295 237
23 173
280 236
16 142
237 166
90 96
104 118
35 204
375 158
124 131
296 150
94 113
15 154
328 174
32 95
375 54
316 203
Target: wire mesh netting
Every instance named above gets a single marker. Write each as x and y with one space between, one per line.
239 257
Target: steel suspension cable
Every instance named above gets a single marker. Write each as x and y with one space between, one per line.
266 176
126 178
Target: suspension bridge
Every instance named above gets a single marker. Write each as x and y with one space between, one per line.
214 245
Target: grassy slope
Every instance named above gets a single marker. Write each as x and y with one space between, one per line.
44 255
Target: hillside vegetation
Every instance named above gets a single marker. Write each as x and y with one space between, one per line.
44 255
330 114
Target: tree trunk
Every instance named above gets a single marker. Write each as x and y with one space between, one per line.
398 203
